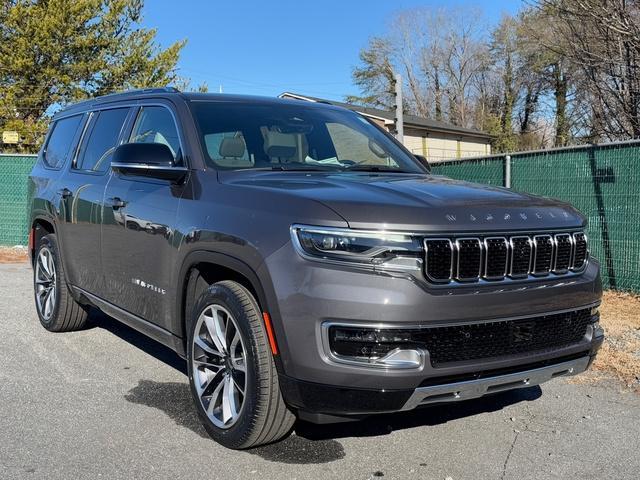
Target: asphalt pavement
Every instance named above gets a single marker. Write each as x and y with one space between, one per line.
108 403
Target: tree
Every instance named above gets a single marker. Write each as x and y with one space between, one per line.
439 54
600 41
53 52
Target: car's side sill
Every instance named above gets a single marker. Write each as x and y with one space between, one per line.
155 332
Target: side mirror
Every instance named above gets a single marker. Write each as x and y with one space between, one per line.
153 160
424 162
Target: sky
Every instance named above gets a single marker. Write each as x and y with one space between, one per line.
271 46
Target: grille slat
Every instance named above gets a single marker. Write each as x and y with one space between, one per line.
543 256
496 254
521 251
580 250
503 338
564 247
491 258
439 259
469 258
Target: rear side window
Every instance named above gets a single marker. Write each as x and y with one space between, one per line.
156 125
59 145
97 150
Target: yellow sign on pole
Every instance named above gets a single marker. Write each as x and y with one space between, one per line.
9 136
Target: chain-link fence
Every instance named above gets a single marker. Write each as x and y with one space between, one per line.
14 170
602 181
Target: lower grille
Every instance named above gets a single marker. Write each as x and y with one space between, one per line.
502 338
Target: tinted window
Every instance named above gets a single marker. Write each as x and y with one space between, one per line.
60 140
294 136
98 148
156 125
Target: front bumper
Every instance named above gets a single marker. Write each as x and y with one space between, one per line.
307 295
328 403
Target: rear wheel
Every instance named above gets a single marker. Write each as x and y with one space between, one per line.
57 309
231 370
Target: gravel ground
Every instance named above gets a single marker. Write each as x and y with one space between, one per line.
108 403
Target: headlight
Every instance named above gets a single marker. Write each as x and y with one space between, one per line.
381 250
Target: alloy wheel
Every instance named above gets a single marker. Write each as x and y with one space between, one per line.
219 366
45 283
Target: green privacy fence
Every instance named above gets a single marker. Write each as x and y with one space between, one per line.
602 181
14 170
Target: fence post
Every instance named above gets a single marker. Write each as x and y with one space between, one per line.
507 171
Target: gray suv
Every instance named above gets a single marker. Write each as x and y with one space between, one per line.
302 260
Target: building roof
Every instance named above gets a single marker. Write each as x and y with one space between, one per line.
388 117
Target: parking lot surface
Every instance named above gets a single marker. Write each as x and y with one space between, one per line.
109 403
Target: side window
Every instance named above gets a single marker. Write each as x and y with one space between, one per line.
156 125
97 150
228 149
60 140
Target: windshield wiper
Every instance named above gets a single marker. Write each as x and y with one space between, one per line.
374 168
301 168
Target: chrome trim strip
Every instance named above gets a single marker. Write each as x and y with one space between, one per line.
512 249
147 166
457 245
586 254
458 391
486 258
426 260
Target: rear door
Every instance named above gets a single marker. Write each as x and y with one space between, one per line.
82 189
138 238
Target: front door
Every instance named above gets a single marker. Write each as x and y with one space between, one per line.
138 247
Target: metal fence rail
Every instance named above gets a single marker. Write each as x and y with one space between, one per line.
14 170
602 181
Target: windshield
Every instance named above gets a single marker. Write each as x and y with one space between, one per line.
295 137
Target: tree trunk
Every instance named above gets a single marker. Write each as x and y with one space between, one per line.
560 90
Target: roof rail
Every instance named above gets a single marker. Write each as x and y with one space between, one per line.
142 90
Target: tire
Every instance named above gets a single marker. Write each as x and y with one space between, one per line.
250 381
57 309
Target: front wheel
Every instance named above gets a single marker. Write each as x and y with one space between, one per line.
231 370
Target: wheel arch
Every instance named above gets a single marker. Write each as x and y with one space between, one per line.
201 268
40 227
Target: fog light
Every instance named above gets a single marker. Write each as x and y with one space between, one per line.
392 348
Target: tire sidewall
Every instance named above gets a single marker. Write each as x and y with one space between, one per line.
241 429
48 242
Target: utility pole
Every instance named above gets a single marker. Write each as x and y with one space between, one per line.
399 119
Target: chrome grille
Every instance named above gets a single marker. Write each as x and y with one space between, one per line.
494 258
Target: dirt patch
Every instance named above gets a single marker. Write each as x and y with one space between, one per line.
13 254
620 354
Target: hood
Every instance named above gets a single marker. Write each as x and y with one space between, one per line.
420 203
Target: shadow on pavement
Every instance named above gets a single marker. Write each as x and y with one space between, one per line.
133 337
310 443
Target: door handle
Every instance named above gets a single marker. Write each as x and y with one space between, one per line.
116 203
65 193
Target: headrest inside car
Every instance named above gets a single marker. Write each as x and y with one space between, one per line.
232 147
278 144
